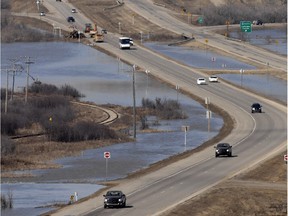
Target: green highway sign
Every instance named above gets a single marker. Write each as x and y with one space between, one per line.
246 26
200 19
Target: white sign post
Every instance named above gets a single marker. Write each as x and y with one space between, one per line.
107 155
185 129
208 112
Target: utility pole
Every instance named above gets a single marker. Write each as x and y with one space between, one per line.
6 96
13 61
208 112
134 104
27 62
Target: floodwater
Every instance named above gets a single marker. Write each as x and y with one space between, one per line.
34 198
264 84
199 58
274 40
105 80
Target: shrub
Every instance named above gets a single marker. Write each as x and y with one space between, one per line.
43 88
48 89
165 109
49 102
82 131
3 93
67 90
7 145
7 202
267 12
10 122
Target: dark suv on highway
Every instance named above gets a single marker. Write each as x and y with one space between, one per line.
70 19
223 149
114 199
256 107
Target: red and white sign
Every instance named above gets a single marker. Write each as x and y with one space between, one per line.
285 157
107 155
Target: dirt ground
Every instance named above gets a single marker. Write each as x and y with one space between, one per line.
261 191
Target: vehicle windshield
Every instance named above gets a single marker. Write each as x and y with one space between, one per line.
223 145
113 193
125 41
256 105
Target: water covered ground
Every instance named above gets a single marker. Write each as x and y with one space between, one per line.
105 80
274 40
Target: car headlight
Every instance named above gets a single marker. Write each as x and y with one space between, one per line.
217 150
227 150
120 200
105 200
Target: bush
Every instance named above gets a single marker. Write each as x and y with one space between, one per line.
10 122
3 94
67 90
7 202
49 102
82 131
53 111
43 89
7 146
165 109
267 12
48 89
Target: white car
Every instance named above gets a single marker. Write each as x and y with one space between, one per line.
201 81
73 10
124 43
213 79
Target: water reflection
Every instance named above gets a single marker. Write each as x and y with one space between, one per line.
263 84
24 202
199 58
270 39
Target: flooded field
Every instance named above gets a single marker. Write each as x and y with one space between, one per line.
103 80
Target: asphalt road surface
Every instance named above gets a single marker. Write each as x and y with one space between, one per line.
255 137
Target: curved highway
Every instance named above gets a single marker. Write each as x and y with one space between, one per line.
254 138
161 16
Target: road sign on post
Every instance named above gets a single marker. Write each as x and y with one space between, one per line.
107 155
246 26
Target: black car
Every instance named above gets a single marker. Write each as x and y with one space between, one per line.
259 22
114 199
70 19
256 107
223 149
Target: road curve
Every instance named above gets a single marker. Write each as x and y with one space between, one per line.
161 16
254 138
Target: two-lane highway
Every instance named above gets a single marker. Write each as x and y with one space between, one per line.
161 16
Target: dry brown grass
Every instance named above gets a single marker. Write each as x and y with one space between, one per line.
107 14
261 191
